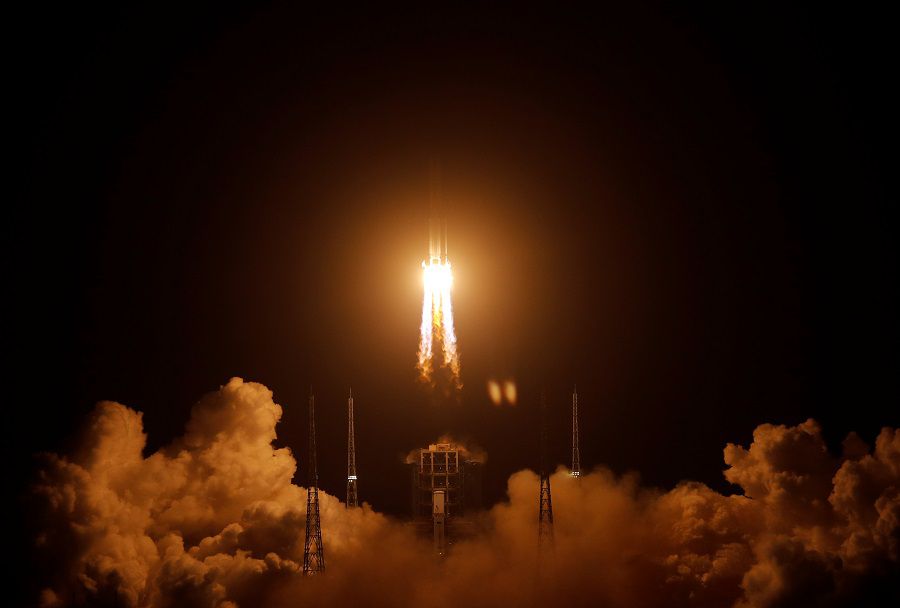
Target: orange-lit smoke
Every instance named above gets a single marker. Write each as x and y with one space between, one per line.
213 520
437 321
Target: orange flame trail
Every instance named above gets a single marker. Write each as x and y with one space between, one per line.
437 320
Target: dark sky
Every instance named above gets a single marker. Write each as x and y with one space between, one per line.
687 212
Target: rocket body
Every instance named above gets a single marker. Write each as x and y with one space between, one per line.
437 307
437 240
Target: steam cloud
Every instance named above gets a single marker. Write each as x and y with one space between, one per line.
213 520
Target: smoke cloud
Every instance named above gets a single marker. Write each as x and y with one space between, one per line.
213 520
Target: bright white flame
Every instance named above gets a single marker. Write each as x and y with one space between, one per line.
426 334
437 320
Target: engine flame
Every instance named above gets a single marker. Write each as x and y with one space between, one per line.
437 320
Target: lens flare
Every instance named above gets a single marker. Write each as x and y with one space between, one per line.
502 392
437 320
494 392
510 392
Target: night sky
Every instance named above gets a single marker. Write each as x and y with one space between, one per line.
686 212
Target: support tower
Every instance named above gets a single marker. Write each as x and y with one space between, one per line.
352 496
576 450
313 550
545 516
446 493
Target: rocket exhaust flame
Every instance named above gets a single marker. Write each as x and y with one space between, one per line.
437 308
437 320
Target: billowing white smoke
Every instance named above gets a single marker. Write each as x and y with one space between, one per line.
210 518
214 520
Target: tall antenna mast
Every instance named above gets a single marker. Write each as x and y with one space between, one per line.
352 497
313 550
545 516
576 450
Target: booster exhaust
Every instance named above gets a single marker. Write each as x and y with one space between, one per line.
437 305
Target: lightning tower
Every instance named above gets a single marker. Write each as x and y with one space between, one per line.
352 497
576 450
545 516
313 550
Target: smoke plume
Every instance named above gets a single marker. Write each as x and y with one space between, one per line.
213 520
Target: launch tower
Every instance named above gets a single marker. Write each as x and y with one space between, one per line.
446 485
313 550
352 497
545 514
576 450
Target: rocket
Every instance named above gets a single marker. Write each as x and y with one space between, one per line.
437 231
437 225
437 308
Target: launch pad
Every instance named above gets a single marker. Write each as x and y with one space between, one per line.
446 484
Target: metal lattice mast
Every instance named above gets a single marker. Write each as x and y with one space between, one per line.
313 550
545 516
352 497
576 450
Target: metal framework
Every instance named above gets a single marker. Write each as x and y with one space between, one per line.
545 515
438 468
446 489
313 550
352 495
576 450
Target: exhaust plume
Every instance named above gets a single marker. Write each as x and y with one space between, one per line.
437 321
437 306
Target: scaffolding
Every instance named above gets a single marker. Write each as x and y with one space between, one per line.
545 513
313 549
352 490
446 484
